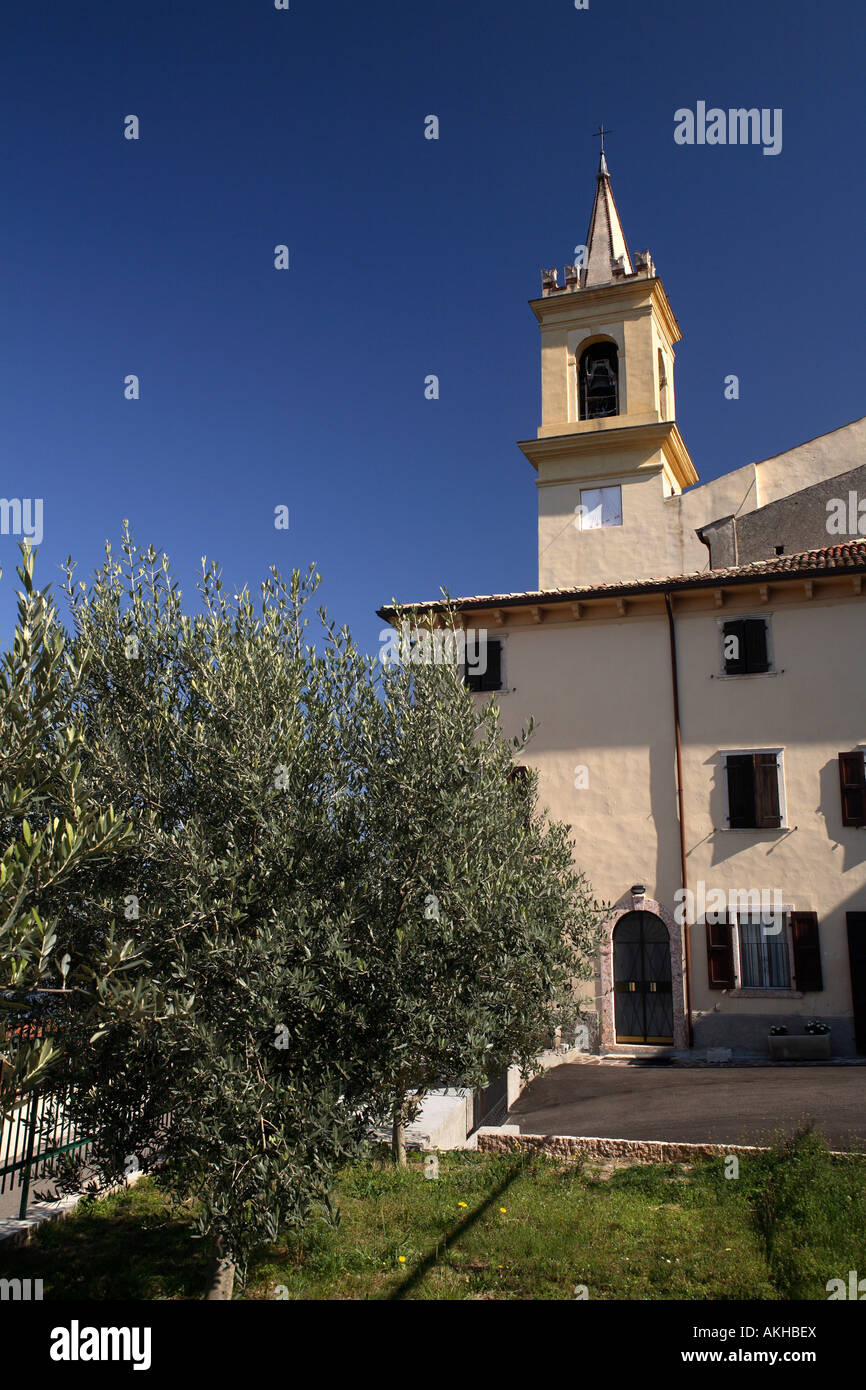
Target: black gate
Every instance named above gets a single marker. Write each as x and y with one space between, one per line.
642 980
36 1131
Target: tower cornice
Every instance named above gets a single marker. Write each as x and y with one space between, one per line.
562 307
663 435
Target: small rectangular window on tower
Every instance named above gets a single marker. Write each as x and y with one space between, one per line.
600 506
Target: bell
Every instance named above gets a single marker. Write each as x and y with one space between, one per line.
600 377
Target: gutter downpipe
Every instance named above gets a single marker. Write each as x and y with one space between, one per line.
681 808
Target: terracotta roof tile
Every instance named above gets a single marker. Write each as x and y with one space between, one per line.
849 556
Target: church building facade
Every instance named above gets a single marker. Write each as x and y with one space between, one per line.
694 658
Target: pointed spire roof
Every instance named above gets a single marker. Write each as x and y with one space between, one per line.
605 240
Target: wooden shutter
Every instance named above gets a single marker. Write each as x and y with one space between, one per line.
473 677
734 665
741 791
756 645
767 811
807 951
852 777
493 674
720 955
491 677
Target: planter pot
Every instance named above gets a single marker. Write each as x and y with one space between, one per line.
802 1047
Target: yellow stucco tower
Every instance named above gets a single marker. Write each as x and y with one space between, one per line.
608 454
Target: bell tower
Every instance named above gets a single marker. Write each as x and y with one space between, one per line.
608 453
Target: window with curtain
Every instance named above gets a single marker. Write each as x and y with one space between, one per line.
764 962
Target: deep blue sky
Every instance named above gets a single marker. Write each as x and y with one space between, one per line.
409 257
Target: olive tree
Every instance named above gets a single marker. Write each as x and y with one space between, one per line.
218 734
480 926
336 898
50 829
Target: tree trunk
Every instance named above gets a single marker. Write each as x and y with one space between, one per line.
398 1133
221 1275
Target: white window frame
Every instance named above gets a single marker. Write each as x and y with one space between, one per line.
726 753
741 988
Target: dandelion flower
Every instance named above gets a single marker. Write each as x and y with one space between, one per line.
502 1209
402 1259
461 1204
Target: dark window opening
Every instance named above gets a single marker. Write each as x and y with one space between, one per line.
487 673
745 647
753 791
598 390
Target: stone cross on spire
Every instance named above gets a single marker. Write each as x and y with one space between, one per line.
602 131
605 240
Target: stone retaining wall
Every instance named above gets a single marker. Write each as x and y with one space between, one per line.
569 1147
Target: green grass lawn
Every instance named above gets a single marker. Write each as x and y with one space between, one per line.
498 1227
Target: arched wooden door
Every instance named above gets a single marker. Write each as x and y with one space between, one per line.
642 980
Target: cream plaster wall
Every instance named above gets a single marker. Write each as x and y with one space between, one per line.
648 545
757 484
812 462
569 327
814 708
600 696
658 536
600 692
579 684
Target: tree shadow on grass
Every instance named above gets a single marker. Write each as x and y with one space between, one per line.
127 1254
457 1232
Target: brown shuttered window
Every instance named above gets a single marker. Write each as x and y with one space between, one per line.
756 645
734 647
852 777
745 646
720 955
753 791
767 816
807 951
491 677
741 791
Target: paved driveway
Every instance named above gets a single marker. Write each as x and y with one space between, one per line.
731 1105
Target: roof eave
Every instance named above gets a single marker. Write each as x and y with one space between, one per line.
712 579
